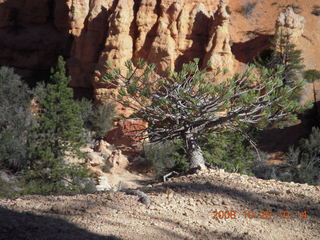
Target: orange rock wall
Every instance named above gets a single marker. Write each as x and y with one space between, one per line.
169 33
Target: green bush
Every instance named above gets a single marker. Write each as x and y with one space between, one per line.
59 130
54 177
15 119
7 190
229 151
86 111
284 53
304 160
98 120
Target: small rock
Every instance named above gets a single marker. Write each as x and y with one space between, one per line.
224 202
117 161
104 148
103 184
95 159
274 192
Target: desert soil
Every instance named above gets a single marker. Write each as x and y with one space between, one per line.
185 207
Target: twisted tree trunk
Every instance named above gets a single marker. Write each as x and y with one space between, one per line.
194 153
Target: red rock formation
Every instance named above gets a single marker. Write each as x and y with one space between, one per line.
169 33
124 134
218 51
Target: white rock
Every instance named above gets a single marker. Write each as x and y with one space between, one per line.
86 150
103 184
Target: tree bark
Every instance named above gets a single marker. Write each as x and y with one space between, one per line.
194 153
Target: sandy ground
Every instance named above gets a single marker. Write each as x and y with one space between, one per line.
208 205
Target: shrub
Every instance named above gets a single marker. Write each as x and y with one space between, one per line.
86 111
261 169
163 157
284 53
6 190
15 119
101 120
247 9
304 160
229 151
98 119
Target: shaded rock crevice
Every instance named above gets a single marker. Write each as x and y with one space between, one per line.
244 52
134 30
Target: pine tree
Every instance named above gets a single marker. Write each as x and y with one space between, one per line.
60 118
287 55
59 130
188 104
283 53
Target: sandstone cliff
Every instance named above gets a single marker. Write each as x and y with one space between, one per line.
169 33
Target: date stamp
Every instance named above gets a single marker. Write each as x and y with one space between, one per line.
257 214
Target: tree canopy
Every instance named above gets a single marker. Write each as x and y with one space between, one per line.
190 103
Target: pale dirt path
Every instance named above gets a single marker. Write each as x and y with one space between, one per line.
181 209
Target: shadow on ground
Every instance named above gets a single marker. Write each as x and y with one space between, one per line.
28 226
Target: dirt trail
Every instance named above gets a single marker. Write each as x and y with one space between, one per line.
182 208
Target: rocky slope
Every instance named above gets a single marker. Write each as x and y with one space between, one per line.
187 207
169 33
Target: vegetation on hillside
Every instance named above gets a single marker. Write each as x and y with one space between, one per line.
304 160
38 136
